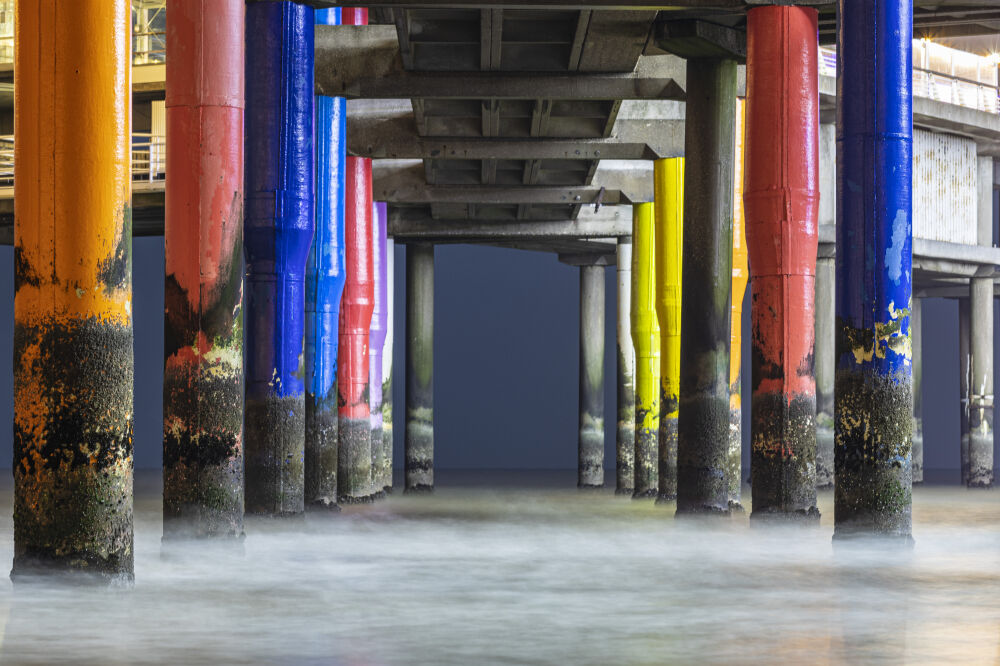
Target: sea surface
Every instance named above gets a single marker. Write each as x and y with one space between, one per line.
521 568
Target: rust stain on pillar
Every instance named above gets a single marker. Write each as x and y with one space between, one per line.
73 365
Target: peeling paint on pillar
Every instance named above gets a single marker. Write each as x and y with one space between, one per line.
703 418
387 441
646 340
668 189
203 240
741 274
625 439
873 402
73 365
965 370
590 443
916 345
781 195
278 231
325 276
354 465
376 341
824 362
981 383
419 429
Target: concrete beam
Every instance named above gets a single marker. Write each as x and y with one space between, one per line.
932 250
407 225
395 137
364 61
406 184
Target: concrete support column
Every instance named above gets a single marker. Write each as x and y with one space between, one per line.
668 187
703 420
278 229
390 304
325 275
590 465
625 440
873 420
646 339
73 366
354 453
916 343
981 384
964 376
824 356
203 294
782 203
376 342
419 432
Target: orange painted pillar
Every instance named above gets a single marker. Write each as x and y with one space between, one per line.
73 290
781 195
203 292
741 275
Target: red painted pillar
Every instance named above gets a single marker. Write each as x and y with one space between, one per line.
203 238
781 197
354 469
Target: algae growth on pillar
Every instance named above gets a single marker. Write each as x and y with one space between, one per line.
278 231
354 464
873 425
325 276
668 188
73 363
781 197
646 341
203 293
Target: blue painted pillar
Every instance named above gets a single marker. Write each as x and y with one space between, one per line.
324 286
874 268
278 229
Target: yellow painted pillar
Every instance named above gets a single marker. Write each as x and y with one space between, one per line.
741 275
646 339
73 289
668 186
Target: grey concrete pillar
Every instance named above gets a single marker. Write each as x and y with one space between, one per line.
591 440
825 363
963 385
703 419
624 444
916 344
419 430
981 384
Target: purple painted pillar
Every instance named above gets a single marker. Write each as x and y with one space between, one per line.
376 341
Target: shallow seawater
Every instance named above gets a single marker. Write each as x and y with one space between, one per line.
529 571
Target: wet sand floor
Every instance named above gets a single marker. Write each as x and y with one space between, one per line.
531 574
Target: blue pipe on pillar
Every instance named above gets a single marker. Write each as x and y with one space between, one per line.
324 286
278 229
874 264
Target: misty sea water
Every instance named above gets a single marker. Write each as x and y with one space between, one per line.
521 568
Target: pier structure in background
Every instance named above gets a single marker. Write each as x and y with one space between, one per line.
354 451
625 383
73 362
668 190
781 195
203 290
278 230
376 341
873 404
646 341
419 426
325 277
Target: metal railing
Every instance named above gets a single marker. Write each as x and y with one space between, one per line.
149 158
943 87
